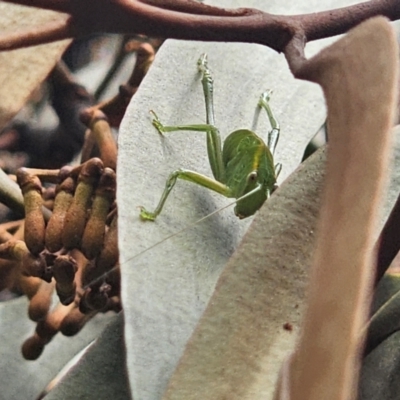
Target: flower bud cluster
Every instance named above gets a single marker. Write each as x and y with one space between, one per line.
73 251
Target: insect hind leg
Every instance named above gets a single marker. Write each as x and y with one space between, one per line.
190 176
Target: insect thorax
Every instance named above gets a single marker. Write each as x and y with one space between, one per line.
244 152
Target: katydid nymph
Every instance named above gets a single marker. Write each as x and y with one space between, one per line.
243 167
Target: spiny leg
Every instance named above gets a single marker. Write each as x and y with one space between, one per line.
278 169
190 176
208 88
273 135
214 146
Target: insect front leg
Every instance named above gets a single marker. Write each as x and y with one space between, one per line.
273 135
190 176
214 153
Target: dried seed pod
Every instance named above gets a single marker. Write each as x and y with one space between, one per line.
55 226
49 193
12 226
31 265
101 131
88 146
144 58
75 220
74 322
8 229
48 205
91 275
95 298
64 173
45 330
8 273
33 347
34 220
114 304
19 233
36 266
28 285
81 262
93 236
115 108
45 175
64 269
40 302
13 250
113 278
112 213
5 236
50 326
109 255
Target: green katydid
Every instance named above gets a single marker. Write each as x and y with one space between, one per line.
243 169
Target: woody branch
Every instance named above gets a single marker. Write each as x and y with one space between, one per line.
190 20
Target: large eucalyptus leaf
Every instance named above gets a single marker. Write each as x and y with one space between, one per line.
165 289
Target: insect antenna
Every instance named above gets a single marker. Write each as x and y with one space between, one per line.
187 227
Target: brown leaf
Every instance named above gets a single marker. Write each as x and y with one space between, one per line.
21 71
359 76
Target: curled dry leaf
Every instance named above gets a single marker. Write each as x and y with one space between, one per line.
327 359
22 71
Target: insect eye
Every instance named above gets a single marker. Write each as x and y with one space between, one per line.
252 176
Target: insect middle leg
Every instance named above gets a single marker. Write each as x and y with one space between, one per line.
190 176
214 153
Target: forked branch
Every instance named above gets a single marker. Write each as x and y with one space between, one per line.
191 20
